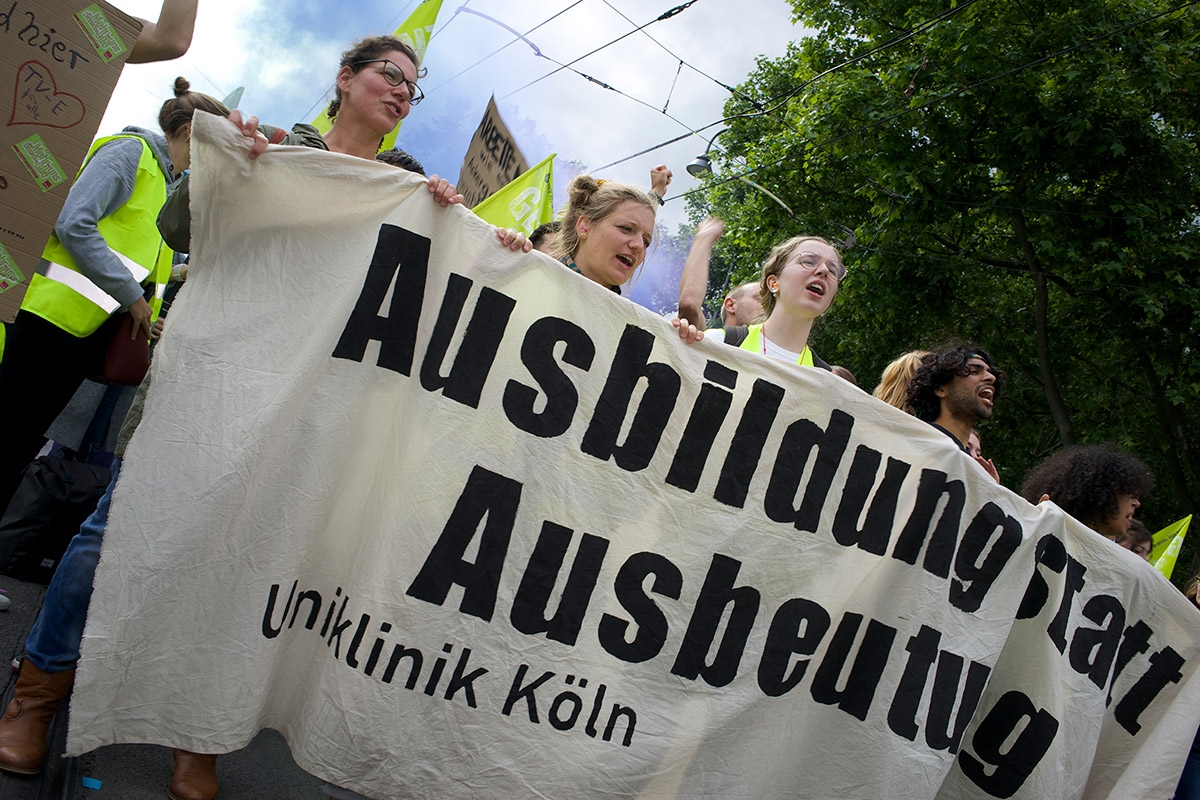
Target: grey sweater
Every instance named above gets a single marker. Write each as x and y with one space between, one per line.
105 185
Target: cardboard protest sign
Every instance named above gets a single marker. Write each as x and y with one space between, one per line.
493 159
458 517
59 64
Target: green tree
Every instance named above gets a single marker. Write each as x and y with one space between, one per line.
1024 175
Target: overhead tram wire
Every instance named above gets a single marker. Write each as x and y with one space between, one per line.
783 98
947 96
504 47
683 62
663 16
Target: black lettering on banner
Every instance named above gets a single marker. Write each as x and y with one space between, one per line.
999 772
1135 642
796 629
855 699
1163 669
561 396
708 414
800 439
717 592
463 681
944 728
934 487
397 332
973 580
741 461
873 536
651 623
529 606
352 654
524 691
480 342
922 653
485 495
435 674
1051 553
339 627
1093 650
629 366
1072 585
269 630
416 660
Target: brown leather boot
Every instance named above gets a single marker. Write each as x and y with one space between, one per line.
23 727
194 776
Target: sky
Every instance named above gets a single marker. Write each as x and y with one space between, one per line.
286 54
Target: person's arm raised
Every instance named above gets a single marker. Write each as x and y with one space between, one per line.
168 38
693 282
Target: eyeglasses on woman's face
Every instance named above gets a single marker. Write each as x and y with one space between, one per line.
395 76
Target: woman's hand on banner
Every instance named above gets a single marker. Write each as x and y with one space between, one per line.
249 128
514 240
443 191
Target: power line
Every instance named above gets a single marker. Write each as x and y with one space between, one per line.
781 99
519 37
665 15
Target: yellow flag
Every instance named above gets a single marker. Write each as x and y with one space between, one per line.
525 203
415 31
1166 546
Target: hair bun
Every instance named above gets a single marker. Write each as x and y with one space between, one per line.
181 86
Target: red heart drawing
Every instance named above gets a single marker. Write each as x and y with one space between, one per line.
37 101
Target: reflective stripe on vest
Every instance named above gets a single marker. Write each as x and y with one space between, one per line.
63 295
84 285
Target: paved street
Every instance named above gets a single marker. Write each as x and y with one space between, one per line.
263 771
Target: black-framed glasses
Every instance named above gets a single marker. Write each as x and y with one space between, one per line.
395 76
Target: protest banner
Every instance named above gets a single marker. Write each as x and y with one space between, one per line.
459 522
493 159
61 61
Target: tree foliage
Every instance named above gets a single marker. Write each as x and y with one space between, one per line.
1024 175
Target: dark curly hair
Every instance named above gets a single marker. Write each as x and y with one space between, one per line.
938 368
1087 481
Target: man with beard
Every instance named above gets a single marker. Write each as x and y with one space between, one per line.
954 388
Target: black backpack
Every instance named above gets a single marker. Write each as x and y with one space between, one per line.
53 499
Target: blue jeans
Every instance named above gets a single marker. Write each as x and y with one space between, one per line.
53 643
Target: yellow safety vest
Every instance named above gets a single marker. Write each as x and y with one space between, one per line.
65 296
754 343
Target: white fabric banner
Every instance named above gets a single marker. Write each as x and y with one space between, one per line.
460 523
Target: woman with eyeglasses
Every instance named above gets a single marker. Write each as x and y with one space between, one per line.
799 281
376 87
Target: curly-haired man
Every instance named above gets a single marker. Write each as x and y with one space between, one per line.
954 388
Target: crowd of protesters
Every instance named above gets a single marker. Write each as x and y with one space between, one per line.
107 258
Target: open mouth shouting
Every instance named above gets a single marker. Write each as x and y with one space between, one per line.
987 394
626 260
817 288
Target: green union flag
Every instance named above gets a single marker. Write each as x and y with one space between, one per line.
416 31
1166 546
525 203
